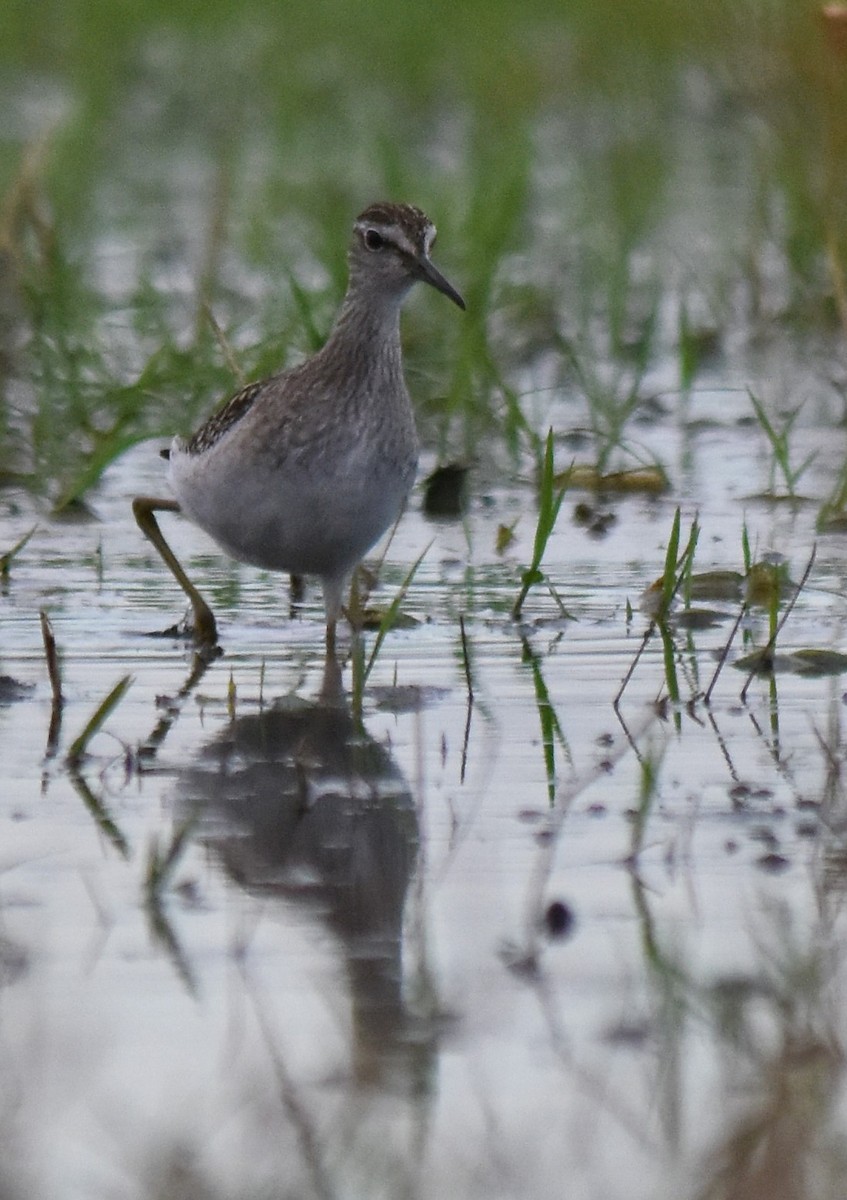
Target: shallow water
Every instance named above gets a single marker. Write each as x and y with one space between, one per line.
525 944
349 984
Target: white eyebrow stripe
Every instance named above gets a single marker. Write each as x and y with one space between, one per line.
395 233
399 238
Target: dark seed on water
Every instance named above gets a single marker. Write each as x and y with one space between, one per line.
774 863
559 919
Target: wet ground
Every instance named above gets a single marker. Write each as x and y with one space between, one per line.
523 943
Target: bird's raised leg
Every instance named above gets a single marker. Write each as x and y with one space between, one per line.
144 508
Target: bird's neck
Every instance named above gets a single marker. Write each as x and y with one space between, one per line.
366 334
368 314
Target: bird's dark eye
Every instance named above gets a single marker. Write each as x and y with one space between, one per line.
373 239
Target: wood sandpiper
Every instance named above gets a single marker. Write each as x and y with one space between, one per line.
304 471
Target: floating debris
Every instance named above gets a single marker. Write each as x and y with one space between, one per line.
406 698
812 662
446 491
505 537
652 481
373 617
773 862
699 618
716 585
12 689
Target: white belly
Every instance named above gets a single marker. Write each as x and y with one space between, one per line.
301 520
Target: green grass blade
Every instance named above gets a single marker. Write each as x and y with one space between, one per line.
78 748
549 503
746 553
390 615
9 556
669 573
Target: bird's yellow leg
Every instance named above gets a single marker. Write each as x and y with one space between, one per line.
144 508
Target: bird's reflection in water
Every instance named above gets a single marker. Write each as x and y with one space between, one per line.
299 803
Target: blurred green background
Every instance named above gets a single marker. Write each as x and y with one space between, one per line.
623 191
